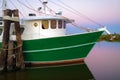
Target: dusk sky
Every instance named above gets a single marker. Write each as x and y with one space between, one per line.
105 12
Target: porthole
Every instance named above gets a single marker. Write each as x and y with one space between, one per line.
35 24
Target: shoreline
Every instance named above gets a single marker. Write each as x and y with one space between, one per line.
110 38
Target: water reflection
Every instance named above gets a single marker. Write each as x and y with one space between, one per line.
103 61
74 72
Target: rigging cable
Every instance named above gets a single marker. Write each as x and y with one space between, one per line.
74 24
80 27
27 6
31 7
28 3
16 7
74 11
41 1
62 7
80 13
1 4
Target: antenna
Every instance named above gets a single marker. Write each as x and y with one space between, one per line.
4 4
44 5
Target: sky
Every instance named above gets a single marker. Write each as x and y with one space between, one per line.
104 12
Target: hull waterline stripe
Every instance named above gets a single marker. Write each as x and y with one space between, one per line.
54 61
52 49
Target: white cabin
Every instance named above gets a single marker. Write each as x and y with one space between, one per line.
36 27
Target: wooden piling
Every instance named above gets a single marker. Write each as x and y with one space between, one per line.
5 40
15 58
20 60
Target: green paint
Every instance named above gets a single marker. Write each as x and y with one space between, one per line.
58 54
58 42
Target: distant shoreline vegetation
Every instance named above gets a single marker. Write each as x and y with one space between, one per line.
110 38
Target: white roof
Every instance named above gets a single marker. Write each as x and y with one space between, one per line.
46 17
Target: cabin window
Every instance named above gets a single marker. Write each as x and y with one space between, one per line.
60 24
45 24
1 23
1 31
53 24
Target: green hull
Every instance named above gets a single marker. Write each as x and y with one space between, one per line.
58 49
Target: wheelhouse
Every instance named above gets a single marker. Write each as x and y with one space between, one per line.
44 27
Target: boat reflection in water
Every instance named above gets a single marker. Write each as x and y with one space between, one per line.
73 72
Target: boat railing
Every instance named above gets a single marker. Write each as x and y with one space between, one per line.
104 29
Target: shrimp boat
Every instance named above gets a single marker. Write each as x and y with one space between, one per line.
45 41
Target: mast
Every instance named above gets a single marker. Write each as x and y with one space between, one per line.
4 7
44 5
4 4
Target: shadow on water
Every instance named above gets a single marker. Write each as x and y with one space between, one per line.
73 72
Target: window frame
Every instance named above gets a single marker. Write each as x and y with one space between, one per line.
44 25
53 24
60 24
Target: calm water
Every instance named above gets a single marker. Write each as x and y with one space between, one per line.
75 72
102 63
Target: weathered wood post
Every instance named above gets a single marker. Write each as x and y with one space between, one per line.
11 16
5 41
20 59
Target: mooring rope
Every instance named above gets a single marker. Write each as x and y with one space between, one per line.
12 48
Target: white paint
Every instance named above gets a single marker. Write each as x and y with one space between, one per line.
32 32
